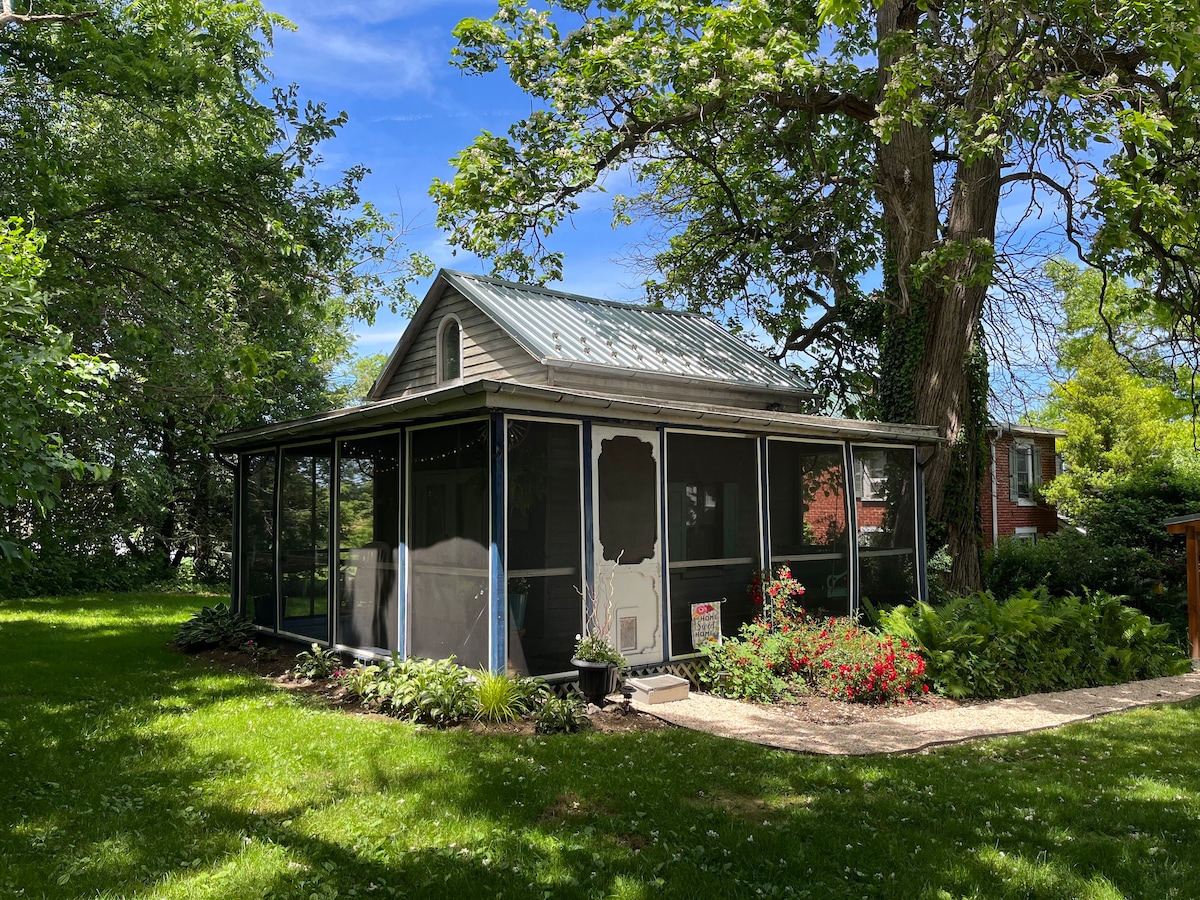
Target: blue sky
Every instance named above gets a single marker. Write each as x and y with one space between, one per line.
387 65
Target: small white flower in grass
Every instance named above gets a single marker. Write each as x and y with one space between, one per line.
750 839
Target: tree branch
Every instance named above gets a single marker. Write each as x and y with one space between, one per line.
821 102
8 17
1068 199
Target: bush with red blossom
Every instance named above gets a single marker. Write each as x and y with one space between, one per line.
784 651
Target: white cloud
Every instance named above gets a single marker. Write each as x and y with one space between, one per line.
358 54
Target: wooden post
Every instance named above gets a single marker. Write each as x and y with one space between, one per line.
1189 526
1193 580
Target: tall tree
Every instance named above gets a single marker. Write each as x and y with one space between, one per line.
793 150
1118 402
39 375
187 241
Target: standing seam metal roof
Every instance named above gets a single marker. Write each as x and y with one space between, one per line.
563 329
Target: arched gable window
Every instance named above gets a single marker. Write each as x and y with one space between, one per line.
449 350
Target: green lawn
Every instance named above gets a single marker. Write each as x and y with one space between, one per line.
128 770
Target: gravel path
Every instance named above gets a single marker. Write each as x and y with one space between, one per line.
762 725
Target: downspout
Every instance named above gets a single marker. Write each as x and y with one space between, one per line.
995 490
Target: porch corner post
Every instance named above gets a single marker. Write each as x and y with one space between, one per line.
665 606
851 525
236 595
402 547
589 533
922 550
496 564
766 564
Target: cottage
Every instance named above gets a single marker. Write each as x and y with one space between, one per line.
526 451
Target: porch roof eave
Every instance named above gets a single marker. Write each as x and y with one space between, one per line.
515 397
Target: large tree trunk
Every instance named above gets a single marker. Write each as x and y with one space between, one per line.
947 392
941 386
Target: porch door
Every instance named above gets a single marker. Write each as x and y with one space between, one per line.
628 541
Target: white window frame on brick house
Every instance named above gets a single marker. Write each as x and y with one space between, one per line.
1027 533
1024 459
870 477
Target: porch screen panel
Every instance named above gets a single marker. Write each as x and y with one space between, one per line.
545 546
885 486
449 500
809 512
368 542
712 530
304 506
256 568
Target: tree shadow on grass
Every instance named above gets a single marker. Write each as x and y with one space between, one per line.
131 771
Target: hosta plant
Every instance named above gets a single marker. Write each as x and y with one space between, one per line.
214 626
561 715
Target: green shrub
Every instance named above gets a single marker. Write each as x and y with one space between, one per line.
67 568
561 715
362 680
500 698
977 646
1126 549
316 662
432 692
744 670
214 626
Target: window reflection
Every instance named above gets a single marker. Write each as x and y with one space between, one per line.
304 503
545 543
713 529
809 513
449 501
368 541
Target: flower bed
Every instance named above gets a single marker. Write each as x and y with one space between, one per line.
784 651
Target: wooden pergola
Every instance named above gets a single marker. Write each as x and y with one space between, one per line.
1190 526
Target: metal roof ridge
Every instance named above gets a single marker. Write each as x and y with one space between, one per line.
568 295
655 374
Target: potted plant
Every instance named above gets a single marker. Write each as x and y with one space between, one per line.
518 602
597 660
599 665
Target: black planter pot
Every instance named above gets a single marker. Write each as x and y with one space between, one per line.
596 679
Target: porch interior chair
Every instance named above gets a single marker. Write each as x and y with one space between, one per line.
835 585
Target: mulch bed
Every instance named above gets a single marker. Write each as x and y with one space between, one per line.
612 719
806 710
816 710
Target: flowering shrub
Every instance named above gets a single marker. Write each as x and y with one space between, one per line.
778 595
785 651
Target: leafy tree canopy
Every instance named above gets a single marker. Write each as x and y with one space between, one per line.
789 150
38 374
1118 402
187 240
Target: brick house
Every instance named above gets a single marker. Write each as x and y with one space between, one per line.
1023 461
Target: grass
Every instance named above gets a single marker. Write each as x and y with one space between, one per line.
129 770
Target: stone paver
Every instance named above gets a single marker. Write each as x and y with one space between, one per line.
906 734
